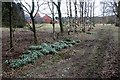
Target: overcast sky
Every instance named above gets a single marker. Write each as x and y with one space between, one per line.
44 9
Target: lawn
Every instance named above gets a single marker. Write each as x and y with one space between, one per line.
39 27
45 27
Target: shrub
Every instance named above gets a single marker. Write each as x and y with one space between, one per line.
44 51
34 52
56 47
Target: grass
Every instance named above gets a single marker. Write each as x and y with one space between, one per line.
49 27
39 27
46 27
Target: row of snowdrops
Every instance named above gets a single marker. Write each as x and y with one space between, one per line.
36 51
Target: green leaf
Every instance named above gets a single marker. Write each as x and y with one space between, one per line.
44 51
27 52
44 45
35 47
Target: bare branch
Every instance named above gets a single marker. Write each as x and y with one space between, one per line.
54 3
114 5
33 7
49 7
37 9
26 11
25 7
29 26
27 4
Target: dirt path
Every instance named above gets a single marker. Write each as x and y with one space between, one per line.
96 57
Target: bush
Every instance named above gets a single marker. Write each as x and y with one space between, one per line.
39 53
63 45
16 63
56 47
34 52
50 49
44 51
25 59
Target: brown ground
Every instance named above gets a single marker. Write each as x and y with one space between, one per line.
96 56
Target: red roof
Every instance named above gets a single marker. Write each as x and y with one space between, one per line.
47 19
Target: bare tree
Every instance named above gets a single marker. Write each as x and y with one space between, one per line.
119 12
53 18
93 14
88 11
103 10
112 7
116 10
70 7
68 17
75 21
85 12
58 6
9 7
10 24
81 13
32 14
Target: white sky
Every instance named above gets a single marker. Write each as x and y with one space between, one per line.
44 9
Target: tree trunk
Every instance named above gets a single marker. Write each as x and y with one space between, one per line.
68 30
34 29
84 17
119 13
93 14
10 24
82 12
60 17
60 20
103 13
70 18
53 21
75 5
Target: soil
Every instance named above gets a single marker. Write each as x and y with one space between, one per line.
96 56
